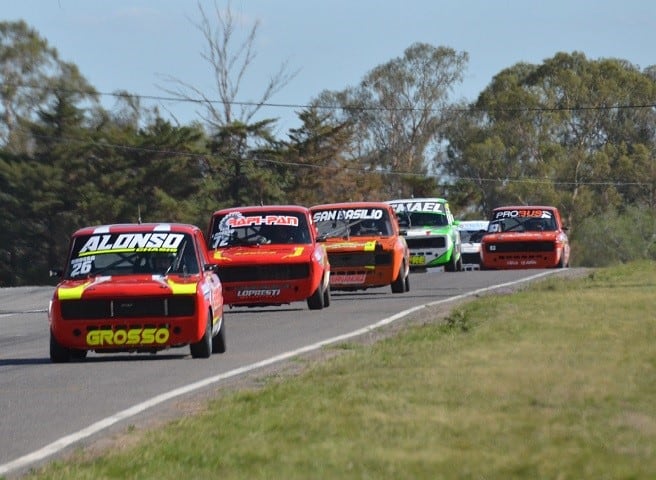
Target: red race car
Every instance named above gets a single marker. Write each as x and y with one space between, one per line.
364 244
525 237
269 255
136 288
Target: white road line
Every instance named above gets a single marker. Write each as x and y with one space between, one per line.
94 428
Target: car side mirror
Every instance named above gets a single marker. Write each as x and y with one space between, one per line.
55 273
211 267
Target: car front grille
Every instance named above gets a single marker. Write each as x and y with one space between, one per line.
156 307
510 247
426 242
264 272
471 258
358 259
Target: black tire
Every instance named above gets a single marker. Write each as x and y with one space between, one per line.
219 340
459 266
58 353
398 285
452 265
203 348
407 283
326 296
77 354
315 301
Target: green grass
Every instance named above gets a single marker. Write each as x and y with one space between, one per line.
556 381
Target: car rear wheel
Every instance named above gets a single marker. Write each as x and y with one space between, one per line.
203 348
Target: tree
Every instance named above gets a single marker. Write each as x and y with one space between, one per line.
29 71
319 171
398 113
235 135
571 132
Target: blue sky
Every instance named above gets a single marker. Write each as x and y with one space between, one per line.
129 44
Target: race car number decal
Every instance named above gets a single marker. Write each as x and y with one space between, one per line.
133 336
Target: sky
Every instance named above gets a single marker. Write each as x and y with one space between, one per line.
133 45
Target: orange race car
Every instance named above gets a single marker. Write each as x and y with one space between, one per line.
269 255
136 288
364 244
525 237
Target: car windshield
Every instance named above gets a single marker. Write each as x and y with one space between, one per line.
471 236
422 219
523 224
130 253
259 228
352 222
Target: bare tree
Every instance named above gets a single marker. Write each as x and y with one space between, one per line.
229 66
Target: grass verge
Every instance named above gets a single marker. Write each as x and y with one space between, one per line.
556 381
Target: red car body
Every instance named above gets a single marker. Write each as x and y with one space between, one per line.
269 255
525 237
137 288
364 244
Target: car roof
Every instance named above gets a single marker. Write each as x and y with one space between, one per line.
420 199
263 208
334 206
473 223
525 207
138 228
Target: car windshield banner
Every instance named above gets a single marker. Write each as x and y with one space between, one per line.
431 207
127 243
522 213
348 214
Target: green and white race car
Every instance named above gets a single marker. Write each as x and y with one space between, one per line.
431 233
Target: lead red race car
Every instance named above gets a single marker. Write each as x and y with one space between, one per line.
530 236
136 288
269 256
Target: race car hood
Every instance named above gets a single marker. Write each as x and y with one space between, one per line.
426 231
468 247
262 254
359 244
137 285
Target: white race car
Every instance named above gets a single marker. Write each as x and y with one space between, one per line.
471 232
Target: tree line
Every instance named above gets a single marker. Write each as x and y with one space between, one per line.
572 132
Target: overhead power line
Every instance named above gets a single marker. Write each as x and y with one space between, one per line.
200 101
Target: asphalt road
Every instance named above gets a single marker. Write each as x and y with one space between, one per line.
45 408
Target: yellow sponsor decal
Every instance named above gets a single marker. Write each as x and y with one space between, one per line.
367 246
133 336
72 293
182 288
296 253
218 255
